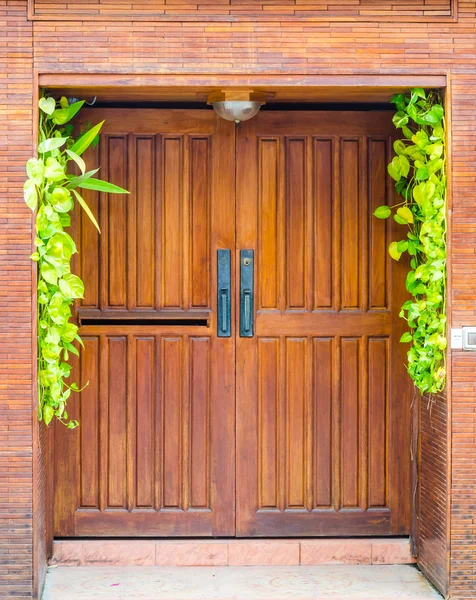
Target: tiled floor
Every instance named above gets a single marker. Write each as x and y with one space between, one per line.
336 582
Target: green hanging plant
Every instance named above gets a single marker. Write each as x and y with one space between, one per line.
419 170
52 191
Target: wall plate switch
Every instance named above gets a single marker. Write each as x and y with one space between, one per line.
456 342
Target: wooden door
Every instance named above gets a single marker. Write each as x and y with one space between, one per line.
323 398
154 452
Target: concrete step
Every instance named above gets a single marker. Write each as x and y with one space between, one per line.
336 582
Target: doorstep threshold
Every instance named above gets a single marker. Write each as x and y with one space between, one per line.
336 582
231 552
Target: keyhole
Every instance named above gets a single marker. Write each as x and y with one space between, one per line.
247 262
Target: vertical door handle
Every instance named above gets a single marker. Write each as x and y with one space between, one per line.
246 293
224 293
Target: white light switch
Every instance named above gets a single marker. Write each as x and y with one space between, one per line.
456 338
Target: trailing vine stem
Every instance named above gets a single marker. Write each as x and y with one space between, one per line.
52 192
419 171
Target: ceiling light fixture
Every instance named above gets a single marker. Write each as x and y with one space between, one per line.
236 106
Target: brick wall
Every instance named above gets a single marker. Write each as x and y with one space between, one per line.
255 46
16 490
463 405
364 10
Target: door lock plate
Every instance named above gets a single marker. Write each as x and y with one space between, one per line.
246 293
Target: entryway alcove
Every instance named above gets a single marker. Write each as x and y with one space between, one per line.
240 321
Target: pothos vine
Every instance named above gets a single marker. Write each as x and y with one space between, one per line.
52 191
419 170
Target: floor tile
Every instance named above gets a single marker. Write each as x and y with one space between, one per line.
322 582
263 553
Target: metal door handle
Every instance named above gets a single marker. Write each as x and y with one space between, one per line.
246 293
224 293
224 310
247 310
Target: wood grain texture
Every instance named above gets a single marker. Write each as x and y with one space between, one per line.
154 452
321 390
155 248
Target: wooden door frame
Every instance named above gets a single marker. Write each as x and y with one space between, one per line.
334 87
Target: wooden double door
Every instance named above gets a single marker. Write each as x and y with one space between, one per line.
222 403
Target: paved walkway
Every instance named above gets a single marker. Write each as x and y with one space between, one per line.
336 582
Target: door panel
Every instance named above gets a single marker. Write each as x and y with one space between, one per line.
154 453
322 393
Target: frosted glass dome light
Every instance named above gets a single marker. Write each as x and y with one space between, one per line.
236 105
237 110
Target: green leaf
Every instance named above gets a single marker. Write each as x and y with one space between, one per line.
69 332
424 192
75 108
404 165
405 213
83 143
399 220
400 119
35 169
47 105
61 200
51 144
61 245
406 337
434 150
102 186
53 170
60 116
30 194
382 212
48 411
65 114
402 246
71 348
75 181
399 146
399 101
394 169
393 251
71 286
48 273
422 174
78 160
86 209
438 112
420 92
438 133
421 139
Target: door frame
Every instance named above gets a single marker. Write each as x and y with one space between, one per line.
344 87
